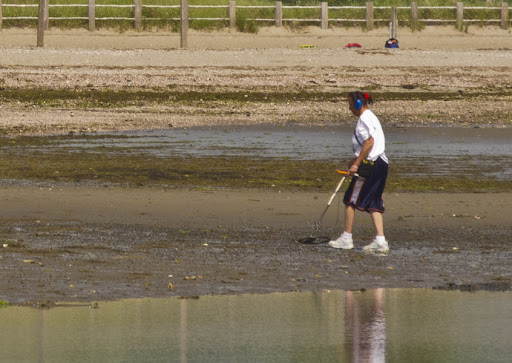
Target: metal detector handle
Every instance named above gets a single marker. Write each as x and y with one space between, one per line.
346 173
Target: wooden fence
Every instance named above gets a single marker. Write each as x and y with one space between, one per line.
279 10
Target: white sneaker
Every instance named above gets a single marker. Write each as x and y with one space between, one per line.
375 246
342 242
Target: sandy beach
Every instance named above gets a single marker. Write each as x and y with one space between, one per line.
84 242
439 76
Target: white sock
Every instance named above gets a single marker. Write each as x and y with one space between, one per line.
346 235
380 239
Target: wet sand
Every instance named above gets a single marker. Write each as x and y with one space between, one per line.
102 243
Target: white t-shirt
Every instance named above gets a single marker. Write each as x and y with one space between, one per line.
368 126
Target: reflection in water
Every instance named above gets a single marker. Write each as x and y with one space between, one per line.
366 321
374 326
183 331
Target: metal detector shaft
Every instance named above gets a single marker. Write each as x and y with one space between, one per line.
336 191
331 199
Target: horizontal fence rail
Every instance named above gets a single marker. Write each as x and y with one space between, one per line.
278 8
318 14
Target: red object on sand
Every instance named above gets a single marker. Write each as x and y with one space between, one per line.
353 45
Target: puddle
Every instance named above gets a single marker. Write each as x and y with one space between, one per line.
433 151
376 325
303 143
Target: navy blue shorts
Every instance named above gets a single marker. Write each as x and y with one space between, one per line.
366 194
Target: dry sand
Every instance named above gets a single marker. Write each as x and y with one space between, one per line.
430 38
435 60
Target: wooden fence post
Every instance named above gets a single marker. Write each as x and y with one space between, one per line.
324 15
91 13
40 23
394 22
46 15
414 15
369 16
0 15
459 15
137 14
232 14
278 14
503 15
183 23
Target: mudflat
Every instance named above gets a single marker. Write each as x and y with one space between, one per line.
98 243
86 241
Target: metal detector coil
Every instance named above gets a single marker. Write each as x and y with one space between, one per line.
318 224
314 240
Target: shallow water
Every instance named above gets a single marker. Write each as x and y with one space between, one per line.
408 325
433 151
307 143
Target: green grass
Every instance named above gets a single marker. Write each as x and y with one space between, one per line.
245 17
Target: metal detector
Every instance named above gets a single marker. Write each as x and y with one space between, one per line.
318 224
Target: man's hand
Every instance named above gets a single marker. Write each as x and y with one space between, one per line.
353 169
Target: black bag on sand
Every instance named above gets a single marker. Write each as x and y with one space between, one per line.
365 169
